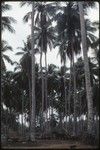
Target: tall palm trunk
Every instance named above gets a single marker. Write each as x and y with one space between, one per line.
65 96
60 119
87 71
49 110
10 111
80 112
75 92
69 95
42 86
46 98
69 90
30 101
6 122
30 104
22 111
33 80
25 127
52 106
41 119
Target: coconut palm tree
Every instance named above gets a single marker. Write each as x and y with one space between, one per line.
80 80
44 36
70 40
87 71
33 102
25 62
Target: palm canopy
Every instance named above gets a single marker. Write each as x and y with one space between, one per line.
44 33
6 21
46 7
26 55
68 28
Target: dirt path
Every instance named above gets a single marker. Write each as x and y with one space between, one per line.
50 145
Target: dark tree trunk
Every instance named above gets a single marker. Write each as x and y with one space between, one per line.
87 71
75 94
33 122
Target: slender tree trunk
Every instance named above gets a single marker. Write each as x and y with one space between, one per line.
87 71
40 119
49 113
10 113
75 94
42 86
69 95
51 108
65 96
60 115
6 130
33 79
52 104
80 111
22 124
69 90
46 95
22 111
42 75
30 104
25 126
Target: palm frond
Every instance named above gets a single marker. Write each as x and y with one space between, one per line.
17 68
19 53
8 27
8 19
92 36
27 17
5 7
96 24
25 3
24 49
6 24
7 48
7 59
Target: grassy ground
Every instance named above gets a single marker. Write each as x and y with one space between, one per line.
48 144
